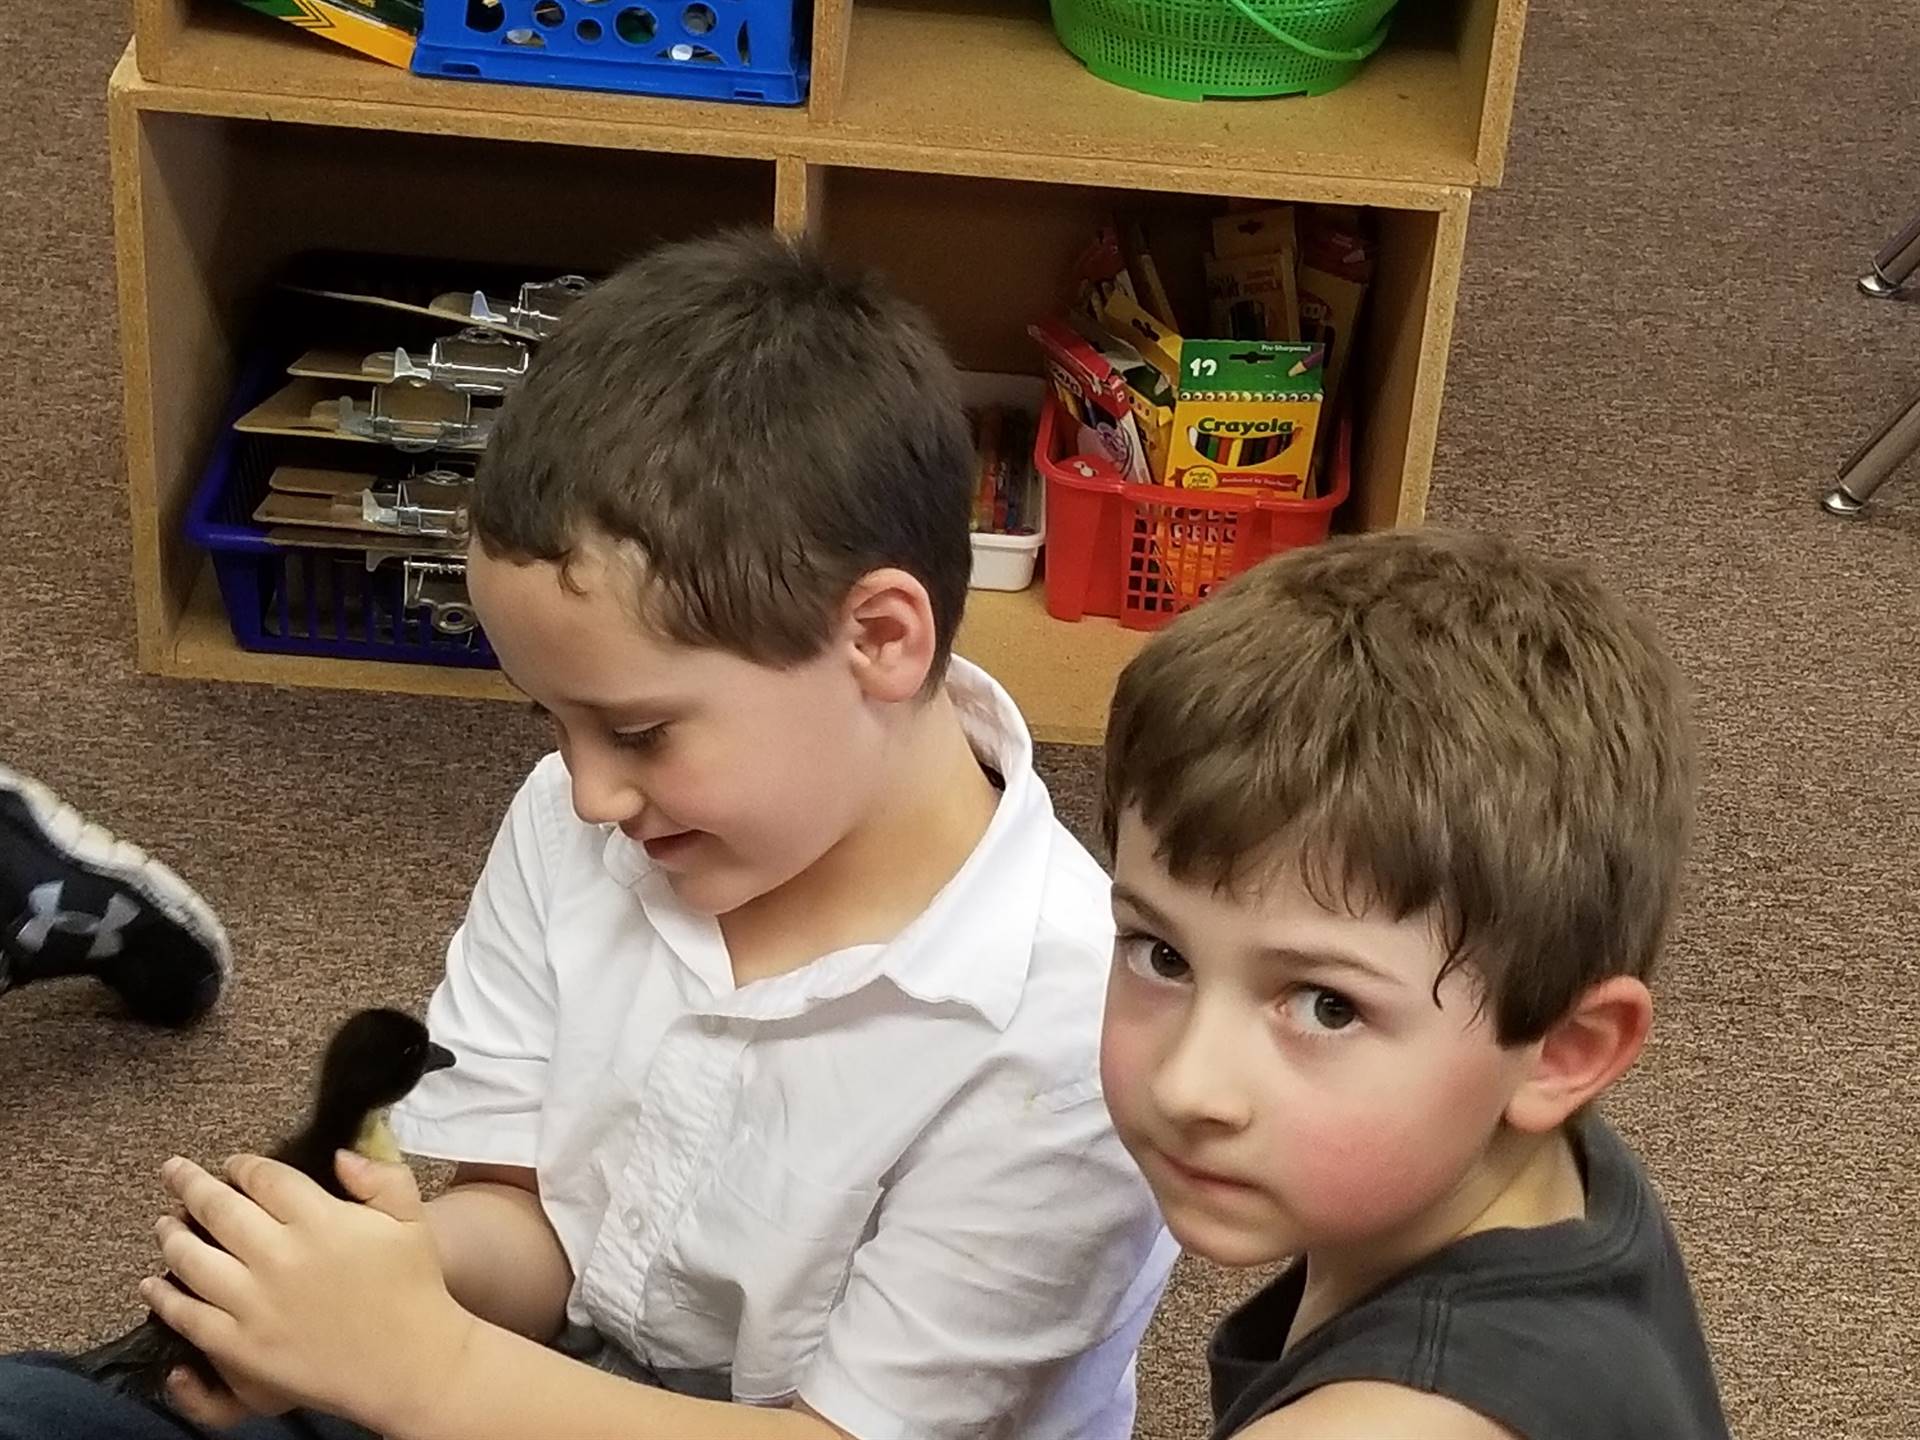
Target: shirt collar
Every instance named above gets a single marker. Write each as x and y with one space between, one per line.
970 946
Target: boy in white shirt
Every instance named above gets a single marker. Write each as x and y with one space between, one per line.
777 1005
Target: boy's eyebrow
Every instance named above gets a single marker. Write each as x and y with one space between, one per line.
1296 958
1144 908
655 707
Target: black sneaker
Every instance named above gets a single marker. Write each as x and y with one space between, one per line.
76 901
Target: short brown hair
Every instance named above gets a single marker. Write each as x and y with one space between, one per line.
1426 722
763 429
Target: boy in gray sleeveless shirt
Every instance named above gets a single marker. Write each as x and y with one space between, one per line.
1398 823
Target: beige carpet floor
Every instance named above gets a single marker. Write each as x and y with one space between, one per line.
1659 357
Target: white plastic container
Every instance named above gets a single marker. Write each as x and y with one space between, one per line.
1005 562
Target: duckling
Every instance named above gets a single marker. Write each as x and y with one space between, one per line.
374 1059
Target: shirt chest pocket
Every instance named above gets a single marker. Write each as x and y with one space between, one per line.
763 1253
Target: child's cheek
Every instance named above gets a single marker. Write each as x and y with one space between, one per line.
1361 1164
1350 1176
1127 1048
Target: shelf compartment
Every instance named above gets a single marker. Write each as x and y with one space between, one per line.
985 257
990 76
207 211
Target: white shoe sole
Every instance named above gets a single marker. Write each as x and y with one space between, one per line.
87 844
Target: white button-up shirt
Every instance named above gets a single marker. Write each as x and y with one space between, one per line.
885 1182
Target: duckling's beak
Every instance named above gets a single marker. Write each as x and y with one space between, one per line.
438 1058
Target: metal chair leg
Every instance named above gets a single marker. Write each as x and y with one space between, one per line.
1894 264
1873 464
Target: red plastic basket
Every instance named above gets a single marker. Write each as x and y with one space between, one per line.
1144 553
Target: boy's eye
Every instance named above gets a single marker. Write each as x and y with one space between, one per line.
640 739
1152 959
1318 1010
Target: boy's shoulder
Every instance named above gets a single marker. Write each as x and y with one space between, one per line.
1073 930
1056 962
549 844
1031 882
546 796
1076 905
1369 1409
1529 1328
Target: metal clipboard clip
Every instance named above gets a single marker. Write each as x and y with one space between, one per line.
539 309
417 418
476 361
428 502
438 585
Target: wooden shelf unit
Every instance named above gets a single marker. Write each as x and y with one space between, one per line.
950 143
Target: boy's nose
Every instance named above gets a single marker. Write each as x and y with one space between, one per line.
601 794
1198 1081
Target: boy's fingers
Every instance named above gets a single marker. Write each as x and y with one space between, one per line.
280 1190
228 1216
205 1326
206 1270
388 1188
197 1401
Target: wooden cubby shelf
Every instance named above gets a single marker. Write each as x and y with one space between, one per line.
951 144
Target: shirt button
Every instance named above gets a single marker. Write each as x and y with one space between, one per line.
636 1222
713 1026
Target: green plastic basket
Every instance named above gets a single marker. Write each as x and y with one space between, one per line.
1191 49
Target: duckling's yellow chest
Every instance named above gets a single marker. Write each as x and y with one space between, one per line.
376 1139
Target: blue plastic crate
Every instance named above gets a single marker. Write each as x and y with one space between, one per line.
298 601
747 50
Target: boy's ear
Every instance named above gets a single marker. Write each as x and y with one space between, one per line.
889 618
1583 1054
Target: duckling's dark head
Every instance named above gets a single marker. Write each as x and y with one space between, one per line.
375 1058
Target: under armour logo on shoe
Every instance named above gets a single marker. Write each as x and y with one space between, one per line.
45 917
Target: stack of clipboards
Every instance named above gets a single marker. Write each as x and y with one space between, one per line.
375 432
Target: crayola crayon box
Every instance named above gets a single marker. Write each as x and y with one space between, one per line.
1245 416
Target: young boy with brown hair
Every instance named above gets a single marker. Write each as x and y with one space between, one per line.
1398 824
776 1008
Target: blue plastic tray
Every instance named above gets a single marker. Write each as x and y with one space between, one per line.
747 50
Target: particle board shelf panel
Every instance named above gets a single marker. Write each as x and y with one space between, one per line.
1060 674
980 76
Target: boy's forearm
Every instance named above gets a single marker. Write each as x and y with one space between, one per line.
506 1387
500 1256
